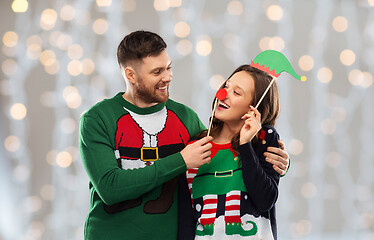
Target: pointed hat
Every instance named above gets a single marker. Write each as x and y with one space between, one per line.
274 63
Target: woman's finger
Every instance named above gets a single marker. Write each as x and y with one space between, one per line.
256 112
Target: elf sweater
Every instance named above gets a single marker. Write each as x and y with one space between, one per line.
131 156
234 196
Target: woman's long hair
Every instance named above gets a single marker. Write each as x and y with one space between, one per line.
269 107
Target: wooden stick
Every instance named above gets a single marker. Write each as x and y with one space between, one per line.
267 89
211 118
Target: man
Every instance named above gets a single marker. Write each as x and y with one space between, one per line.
133 148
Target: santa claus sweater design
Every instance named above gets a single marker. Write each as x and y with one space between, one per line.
132 158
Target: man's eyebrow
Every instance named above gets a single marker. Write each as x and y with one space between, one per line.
157 68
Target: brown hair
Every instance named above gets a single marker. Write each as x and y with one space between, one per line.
138 45
269 107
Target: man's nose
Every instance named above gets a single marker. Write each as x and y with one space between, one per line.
168 76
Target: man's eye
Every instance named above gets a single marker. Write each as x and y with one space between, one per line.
158 72
236 93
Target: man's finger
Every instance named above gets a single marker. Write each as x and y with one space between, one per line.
276 163
278 151
206 154
281 144
276 157
204 140
207 147
278 170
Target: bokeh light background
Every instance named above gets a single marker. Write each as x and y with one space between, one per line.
59 57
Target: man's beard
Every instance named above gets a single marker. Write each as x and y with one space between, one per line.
149 95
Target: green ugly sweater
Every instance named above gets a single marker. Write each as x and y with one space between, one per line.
131 156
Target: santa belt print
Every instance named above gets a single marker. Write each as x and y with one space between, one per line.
150 153
227 173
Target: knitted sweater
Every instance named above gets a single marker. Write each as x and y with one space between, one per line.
234 196
132 158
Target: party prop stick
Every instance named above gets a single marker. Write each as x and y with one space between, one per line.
211 117
220 95
267 89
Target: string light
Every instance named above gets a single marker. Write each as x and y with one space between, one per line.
161 5
216 81
100 26
235 8
103 3
274 12
128 5
67 13
306 63
12 143
324 75
204 46
182 29
48 19
63 159
340 24
20 6
10 39
9 67
18 111
347 57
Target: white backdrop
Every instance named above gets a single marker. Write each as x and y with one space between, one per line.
59 57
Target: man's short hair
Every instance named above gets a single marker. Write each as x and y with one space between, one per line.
138 45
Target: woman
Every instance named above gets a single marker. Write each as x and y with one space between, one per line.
234 196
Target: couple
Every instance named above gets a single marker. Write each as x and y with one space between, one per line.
137 147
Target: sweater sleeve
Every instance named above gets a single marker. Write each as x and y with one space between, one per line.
186 221
112 183
260 179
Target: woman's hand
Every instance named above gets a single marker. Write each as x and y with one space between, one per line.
251 125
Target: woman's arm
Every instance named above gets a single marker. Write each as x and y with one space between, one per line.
259 176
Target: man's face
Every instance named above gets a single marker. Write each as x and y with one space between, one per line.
153 76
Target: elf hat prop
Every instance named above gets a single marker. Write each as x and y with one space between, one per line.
274 63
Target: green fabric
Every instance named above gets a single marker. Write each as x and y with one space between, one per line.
211 184
110 184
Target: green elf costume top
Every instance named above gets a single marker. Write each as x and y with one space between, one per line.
234 196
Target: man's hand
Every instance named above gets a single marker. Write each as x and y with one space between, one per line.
197 153
278 157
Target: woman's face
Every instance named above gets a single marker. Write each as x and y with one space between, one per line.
240 94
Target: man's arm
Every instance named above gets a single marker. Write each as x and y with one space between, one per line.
114 184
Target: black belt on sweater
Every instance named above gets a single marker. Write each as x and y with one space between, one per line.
227 173
150 153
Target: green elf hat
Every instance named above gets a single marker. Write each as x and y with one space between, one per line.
274 63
